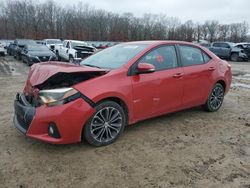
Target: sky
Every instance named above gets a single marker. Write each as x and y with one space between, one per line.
225 11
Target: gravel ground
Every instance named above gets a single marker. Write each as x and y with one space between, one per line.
191 148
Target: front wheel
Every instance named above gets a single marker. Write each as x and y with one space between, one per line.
215 98
106 125
235 57
58 56
71 59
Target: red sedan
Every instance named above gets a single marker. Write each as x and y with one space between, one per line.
121 85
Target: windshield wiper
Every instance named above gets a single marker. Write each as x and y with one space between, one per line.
89 65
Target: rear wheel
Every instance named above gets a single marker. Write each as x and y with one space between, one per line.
106 125
215 98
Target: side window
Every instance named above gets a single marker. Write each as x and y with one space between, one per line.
191 56
216 45
206 57
64 43
225 45
67 46
162 58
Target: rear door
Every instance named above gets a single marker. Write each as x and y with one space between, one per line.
225 50
159 92
216 49
198 70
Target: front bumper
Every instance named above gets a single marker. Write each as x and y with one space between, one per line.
243 56
24 113
69 118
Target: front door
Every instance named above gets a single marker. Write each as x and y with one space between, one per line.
159 92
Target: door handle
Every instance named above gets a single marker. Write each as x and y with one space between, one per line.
178 75
211 68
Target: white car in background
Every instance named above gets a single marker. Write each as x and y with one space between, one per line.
74 50
50 43
3 51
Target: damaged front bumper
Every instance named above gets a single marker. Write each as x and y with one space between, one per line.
243 56
24 113
35 122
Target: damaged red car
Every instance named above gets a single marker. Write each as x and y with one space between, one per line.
64 103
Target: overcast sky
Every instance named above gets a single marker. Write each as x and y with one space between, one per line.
225 11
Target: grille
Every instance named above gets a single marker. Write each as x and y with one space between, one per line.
83 55
44 58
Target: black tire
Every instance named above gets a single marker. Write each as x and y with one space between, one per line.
71 59
58 57
215 99
19 57
234 57
98 126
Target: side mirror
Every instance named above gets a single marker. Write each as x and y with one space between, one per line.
144 68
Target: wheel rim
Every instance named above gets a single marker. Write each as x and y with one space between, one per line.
216 98
106 124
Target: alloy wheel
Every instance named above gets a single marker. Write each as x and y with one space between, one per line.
106 124
216 98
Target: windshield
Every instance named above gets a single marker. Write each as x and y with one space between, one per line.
54 41
38 48
74 44
114 57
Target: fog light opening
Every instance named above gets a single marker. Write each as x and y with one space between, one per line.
53 131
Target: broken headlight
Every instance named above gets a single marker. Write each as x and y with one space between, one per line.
54 97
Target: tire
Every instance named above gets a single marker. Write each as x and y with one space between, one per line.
234 57
215 99
19 57
106 125
58 57
71 59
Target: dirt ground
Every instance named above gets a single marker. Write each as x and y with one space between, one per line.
191 148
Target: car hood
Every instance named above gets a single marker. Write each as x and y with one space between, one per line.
41 72
41 53
236 49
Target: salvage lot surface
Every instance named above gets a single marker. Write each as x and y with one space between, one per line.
191 148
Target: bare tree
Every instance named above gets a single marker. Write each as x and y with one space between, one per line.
38 20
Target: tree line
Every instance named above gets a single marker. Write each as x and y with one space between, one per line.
29 19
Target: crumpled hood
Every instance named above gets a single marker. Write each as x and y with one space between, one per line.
40 72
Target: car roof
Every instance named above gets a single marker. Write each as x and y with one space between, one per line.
75 41
53 39
159 42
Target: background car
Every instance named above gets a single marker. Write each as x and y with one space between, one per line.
64 103
19 44
245 47
37 53
2 49
11 49
228 50
73 50
50 43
